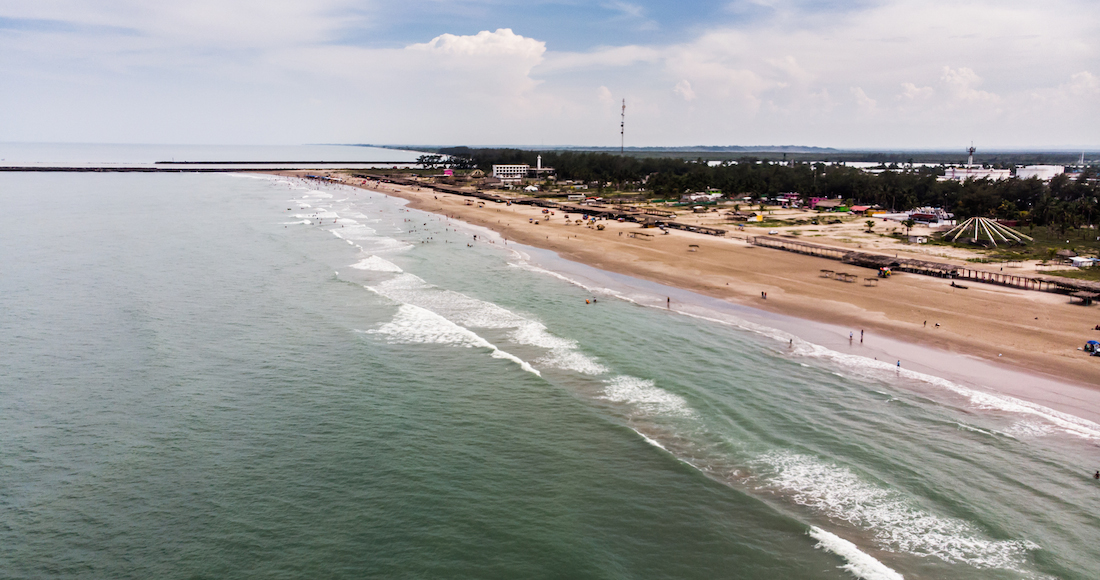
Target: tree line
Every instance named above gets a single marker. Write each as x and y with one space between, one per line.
1064 202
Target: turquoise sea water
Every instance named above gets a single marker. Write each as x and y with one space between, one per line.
210 376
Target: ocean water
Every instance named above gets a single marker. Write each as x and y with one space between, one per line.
211 376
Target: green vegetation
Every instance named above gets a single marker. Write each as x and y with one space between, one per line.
1078 274
1065 203
887 159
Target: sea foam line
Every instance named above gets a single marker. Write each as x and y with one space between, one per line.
416 325
896 523
1068 423
563 353
644 394
860 564
376 264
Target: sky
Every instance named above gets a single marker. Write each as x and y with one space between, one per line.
874 74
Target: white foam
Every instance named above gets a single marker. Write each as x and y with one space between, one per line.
523 264
896 523
415 325
474 313
376 264
973 429
572 360
1024 429
652 442
644 394
859 563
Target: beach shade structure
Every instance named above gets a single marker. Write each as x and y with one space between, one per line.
1092 346
979 230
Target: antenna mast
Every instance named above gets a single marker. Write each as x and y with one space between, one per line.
622 129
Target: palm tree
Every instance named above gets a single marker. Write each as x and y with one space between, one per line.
909 223
870 224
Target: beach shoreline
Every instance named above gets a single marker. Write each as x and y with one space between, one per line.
1029 332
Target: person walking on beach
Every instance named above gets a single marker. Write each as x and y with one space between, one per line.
861 336
851 335
668 302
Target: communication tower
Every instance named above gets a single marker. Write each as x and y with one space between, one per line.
622 129
970 160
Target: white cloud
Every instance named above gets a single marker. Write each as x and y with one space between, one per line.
865 103
1083 84
961 84
603 94
912 92
502 43
1004 72
683 88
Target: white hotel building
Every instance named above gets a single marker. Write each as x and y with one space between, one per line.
511 173
517 173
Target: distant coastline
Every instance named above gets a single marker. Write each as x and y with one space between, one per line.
807 153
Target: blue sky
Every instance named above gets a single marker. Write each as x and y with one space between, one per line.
904 74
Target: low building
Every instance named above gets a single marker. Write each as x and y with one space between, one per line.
1041 172
697 197
828 204
971 172
930 215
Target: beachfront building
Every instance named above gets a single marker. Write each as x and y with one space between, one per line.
518 172
1042 172
931 215
825 204
697 197
511 173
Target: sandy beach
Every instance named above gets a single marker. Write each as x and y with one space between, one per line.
1035 332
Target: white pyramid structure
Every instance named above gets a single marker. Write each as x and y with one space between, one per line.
980 228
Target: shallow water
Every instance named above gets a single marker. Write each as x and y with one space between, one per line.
219 375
